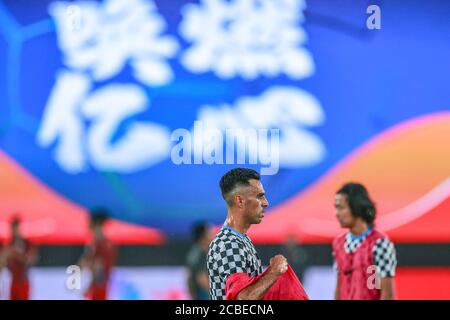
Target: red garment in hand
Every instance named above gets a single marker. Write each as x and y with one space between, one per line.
96 292
20 290
287 287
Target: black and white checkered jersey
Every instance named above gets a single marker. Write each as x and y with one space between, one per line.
384 255
230 252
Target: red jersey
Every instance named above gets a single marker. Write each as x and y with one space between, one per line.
287 287
19 250
103 259
17 263
356 268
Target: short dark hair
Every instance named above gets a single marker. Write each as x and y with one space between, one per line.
99 216
236 177
359 201
15 220
199 230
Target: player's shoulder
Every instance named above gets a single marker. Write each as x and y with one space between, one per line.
340 238
382 240
226 235
224 239
380 236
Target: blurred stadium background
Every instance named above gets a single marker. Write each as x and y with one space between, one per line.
91 91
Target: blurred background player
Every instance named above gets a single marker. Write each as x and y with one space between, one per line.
198 282
364 257
99 257
18 256
3 273
297 256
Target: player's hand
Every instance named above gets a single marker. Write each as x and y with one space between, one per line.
278 264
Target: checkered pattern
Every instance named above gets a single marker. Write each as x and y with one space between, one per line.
385 258
384 255
230 253
352 244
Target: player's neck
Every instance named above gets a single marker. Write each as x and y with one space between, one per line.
99 235
17 237
237 224
359 228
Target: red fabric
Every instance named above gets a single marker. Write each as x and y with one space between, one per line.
287 287
103 256
354 269
20 290
104 251
16 260
96 292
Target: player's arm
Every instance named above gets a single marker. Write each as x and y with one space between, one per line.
387 288
2 257
87 258
257 290
337 295
200 271
386 262
202 276
203 280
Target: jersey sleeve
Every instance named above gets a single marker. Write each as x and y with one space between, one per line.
384 257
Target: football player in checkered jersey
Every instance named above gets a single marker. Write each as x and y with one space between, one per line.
364 258
232 251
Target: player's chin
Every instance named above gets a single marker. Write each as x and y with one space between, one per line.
259 219
343 224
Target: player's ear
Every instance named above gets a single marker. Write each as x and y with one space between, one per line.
238 200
